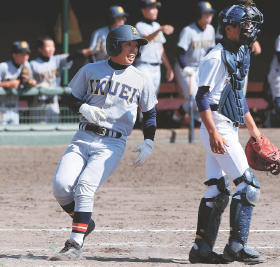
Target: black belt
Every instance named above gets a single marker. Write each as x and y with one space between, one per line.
215 107
101 131
153 64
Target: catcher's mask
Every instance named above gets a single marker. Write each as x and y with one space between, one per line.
248 19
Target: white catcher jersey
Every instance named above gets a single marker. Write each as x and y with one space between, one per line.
196 42
151 52
98 43
118 92
48 73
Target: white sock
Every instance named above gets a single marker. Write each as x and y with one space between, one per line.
77 237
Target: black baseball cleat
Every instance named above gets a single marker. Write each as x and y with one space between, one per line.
211 258
90 228
247 255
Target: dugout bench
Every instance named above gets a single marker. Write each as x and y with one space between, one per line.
170 99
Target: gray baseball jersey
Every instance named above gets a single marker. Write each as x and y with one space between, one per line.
8 71
98 43
196 42
151 52
48 73
118 92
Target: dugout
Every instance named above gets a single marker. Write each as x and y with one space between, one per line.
26 20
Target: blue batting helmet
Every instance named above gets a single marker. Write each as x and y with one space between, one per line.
248 19
120 34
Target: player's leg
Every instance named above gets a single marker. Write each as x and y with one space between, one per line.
234 164
104 157
211 208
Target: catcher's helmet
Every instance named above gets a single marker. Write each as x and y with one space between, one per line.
120 34
249 21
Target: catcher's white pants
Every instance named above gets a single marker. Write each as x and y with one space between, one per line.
233 163
88 161
184 83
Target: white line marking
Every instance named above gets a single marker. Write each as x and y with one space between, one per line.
128 244
122 230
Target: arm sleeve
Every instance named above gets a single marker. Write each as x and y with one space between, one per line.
185 39
74 103
181 57
149 124
147 98
201 98
79 83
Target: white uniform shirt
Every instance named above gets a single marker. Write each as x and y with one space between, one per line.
98 43
8 71
48 73
196 42
151 52
118 92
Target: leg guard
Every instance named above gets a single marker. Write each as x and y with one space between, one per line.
241 209
208 223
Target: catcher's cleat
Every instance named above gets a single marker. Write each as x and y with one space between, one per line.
211 258
247 255
90 228
71 251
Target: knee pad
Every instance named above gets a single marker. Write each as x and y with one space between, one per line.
251 192
220 201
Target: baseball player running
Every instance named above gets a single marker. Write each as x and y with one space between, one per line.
15 74
153 54
47 70
107 94
97 48
223 108
195 41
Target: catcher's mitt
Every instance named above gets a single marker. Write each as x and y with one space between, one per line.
262 155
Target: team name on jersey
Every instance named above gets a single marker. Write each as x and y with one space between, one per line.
201 44
46 75
114 88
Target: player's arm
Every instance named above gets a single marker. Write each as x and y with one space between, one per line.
166 29
251 125
169 73
217 142
12 84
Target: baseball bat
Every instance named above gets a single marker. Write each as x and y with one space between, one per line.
191 116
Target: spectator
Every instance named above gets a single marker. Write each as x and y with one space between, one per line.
47 70
15 74
153 54
97 48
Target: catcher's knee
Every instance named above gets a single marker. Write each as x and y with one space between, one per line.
220 201
250 192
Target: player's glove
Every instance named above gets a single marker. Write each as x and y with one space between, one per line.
145 151
262 155
188 71
92 114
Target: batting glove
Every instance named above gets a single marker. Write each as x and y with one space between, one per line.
188 71
145 152
92 114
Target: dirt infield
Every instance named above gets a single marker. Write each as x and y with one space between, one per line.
144 216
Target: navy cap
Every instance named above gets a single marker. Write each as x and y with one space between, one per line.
149 3
20 47
117 11
205 7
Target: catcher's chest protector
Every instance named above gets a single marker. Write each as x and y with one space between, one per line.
232 100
